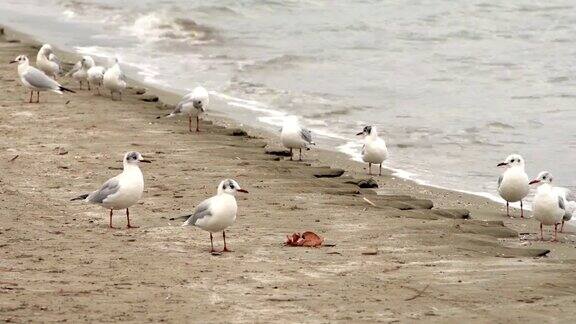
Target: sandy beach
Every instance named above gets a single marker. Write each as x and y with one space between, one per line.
419 254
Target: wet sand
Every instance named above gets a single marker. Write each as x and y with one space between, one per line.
419 254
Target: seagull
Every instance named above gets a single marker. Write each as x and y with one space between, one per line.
36 80
217 213
513 183
114 80
95 76
548 206
47 61
293 136
569 204
80 70
193 104
374 149
122 191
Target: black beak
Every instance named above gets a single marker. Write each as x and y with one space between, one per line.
145 161
533 181
242 190
502 164
12 62
360 133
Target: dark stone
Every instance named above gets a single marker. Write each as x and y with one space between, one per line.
327 172
140 91
277 152
453 213
149 98
491 228
368 183
238 132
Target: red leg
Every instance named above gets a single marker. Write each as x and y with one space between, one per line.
212 244
197 124
224 237
128 220
110 224
555 233
521 209
290 154
300 155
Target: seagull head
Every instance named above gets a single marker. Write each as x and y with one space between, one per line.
133 158
512 160
20 59
87 62
543 177
46 49
230 187
198 103
367 130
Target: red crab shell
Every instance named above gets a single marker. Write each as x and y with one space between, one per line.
309 239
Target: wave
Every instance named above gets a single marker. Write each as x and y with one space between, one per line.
156 26
279 62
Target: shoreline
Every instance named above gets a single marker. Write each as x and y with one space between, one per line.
384 255
172 97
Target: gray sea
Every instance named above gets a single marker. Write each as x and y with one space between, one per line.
453 86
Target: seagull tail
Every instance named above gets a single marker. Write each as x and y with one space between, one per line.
187 219
66 89
81 197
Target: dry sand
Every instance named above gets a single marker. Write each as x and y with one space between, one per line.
396 261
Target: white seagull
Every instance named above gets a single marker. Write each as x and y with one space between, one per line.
374 150
217 213
513 183
47 61
193 104
36 80
95 77
548 206
294 136
115 80
80 70
569 204
122 191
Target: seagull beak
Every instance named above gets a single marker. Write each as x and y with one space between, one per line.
359 133
12 62
242 190
533 181
145 161
502 164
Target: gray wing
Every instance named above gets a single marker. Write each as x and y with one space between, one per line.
109 188
38 79
200 212
500 180
75 68
561 203
306 135
54 58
